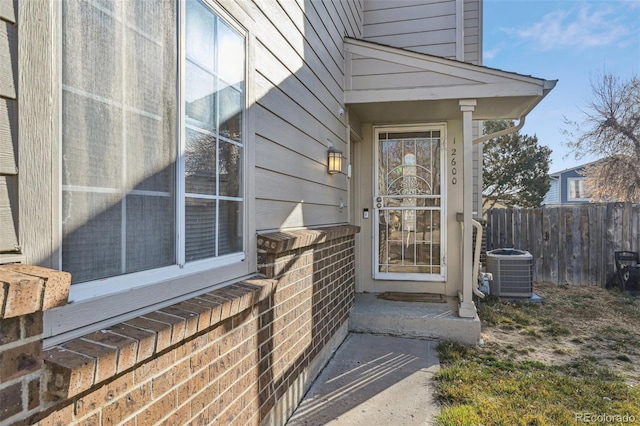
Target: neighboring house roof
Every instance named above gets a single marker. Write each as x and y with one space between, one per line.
570 169
376 74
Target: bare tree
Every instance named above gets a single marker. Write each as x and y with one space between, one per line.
610 129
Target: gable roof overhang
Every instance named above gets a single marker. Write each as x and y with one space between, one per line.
385 84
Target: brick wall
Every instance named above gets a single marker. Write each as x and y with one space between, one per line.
25 292
244 354
316 289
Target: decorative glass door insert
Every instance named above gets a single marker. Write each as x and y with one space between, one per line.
408 204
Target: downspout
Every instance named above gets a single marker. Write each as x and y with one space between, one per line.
500 133
547 86
476 254
476 259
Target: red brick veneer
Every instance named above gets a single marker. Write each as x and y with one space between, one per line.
230 356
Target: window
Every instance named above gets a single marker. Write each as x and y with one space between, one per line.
214 101
152 150
577 189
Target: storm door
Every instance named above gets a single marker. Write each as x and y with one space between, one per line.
408 204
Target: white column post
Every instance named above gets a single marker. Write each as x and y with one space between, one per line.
467 309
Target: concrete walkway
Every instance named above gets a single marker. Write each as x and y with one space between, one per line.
373 380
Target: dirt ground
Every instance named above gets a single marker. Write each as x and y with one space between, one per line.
573 322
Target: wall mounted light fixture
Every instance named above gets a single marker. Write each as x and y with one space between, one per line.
334 161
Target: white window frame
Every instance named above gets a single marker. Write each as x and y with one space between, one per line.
581 183
403 276
99 303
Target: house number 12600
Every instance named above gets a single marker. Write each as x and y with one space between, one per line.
454 163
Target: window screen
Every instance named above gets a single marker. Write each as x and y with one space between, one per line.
124 139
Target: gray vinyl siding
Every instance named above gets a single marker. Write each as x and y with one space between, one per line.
552 196
369 77
299 88
424 26
477 171
7 11
373 75
472 32
473 54
8 129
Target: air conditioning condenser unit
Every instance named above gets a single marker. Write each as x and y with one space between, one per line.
512 272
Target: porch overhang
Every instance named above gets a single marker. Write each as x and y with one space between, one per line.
389 85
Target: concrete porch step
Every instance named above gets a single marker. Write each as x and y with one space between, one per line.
371 314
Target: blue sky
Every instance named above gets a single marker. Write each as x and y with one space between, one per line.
571 41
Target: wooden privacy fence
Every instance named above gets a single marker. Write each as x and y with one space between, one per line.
569 244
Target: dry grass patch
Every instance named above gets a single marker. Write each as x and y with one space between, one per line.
572 321
543 363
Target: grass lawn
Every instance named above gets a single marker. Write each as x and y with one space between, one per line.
573 360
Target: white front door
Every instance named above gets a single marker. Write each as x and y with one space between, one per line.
409 204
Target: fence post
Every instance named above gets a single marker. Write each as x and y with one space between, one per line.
536 239
502 223
516 241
